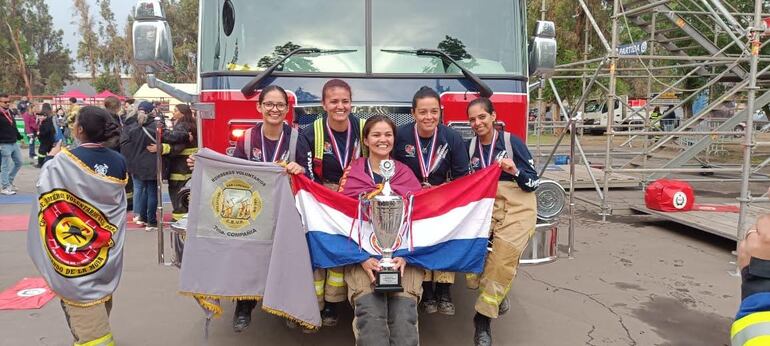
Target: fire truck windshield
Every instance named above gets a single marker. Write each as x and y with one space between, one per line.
487 38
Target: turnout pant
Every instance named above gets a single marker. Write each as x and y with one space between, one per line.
513 223
90 326
329 283
439 277
384 319
179 210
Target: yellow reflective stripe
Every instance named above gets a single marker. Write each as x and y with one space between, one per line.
179 176
763 340
178 216
166 148
492 299
745 321
319 287
103 341
318 133
364 150
189 151
335 279
751 332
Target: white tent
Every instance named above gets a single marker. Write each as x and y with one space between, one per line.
145 93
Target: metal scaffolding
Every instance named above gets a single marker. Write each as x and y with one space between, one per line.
685 39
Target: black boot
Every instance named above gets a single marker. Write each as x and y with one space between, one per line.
482 336
445 305
428 301
329 316
505 305
242 316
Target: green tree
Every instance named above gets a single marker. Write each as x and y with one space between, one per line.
31 51
112 51
292 64
107 81
88 52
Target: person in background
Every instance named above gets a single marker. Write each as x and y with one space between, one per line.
436 154
178 144
142 166
513 216
72 113
46 133
10 152
31 126
24 105
112 105
751 322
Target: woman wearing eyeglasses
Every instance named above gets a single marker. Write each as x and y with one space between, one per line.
272 140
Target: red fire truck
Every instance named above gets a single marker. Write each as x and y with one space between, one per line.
386 50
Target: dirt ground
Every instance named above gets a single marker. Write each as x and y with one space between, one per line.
634 280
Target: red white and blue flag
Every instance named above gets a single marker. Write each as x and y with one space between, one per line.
446 227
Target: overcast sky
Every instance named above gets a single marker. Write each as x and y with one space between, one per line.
62 10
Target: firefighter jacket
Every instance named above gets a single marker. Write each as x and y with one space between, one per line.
178 144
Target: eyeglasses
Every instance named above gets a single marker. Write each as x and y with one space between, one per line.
270 105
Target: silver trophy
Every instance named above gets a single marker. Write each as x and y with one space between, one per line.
386 211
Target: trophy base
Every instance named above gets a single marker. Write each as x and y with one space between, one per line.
388 281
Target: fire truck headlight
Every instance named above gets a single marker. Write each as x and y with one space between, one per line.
237 133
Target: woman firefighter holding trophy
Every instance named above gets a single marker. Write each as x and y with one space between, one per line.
381 318
513 217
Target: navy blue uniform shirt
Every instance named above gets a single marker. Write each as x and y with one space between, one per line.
527 178
452 166
103 161
332 172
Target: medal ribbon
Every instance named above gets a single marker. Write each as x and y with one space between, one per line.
371 173
277 146
488 161
343 161
425 166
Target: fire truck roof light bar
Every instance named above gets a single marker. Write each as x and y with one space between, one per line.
251 87
483 89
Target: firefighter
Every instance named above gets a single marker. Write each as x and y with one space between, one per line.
381 318
513 216
178 145
751 322
436 154
335 141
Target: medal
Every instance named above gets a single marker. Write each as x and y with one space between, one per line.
425 167
277 146
486 162
342 160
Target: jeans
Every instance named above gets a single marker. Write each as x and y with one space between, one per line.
146 200
32 153
11 163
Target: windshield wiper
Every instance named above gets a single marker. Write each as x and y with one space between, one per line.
483 89
251 87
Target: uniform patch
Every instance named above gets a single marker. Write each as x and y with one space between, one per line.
236 204
256 154
409 150
101 169
475 162
328 148
77 236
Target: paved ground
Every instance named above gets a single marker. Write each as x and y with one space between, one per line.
633 281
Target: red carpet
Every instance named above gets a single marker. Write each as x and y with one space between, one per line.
11 223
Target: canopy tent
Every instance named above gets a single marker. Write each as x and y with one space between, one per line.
105 94
74 93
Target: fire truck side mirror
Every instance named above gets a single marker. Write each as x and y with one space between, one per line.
151 37
542 49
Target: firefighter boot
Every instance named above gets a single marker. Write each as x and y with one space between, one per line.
445 305
242 316
428 301
482 335
505 305
329 316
